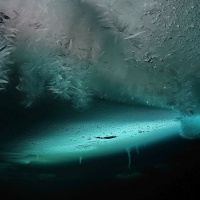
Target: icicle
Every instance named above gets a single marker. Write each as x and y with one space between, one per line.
80 160
128 150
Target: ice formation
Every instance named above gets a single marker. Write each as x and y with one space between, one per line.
104 130
128 151
6 47
143 51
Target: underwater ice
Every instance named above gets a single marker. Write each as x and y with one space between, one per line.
130 51
103 130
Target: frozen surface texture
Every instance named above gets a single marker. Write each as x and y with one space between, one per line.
105 129
143 51
6 47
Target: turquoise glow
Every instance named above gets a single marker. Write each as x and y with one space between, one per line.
100 131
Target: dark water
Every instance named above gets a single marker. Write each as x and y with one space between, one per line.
165 170
158 172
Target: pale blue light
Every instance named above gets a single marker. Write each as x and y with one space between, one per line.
101 131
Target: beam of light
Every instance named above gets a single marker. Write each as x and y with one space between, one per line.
102 130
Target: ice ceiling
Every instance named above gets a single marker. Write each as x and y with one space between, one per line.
105 130
127 51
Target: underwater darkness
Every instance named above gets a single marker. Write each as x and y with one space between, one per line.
165 169
99 99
